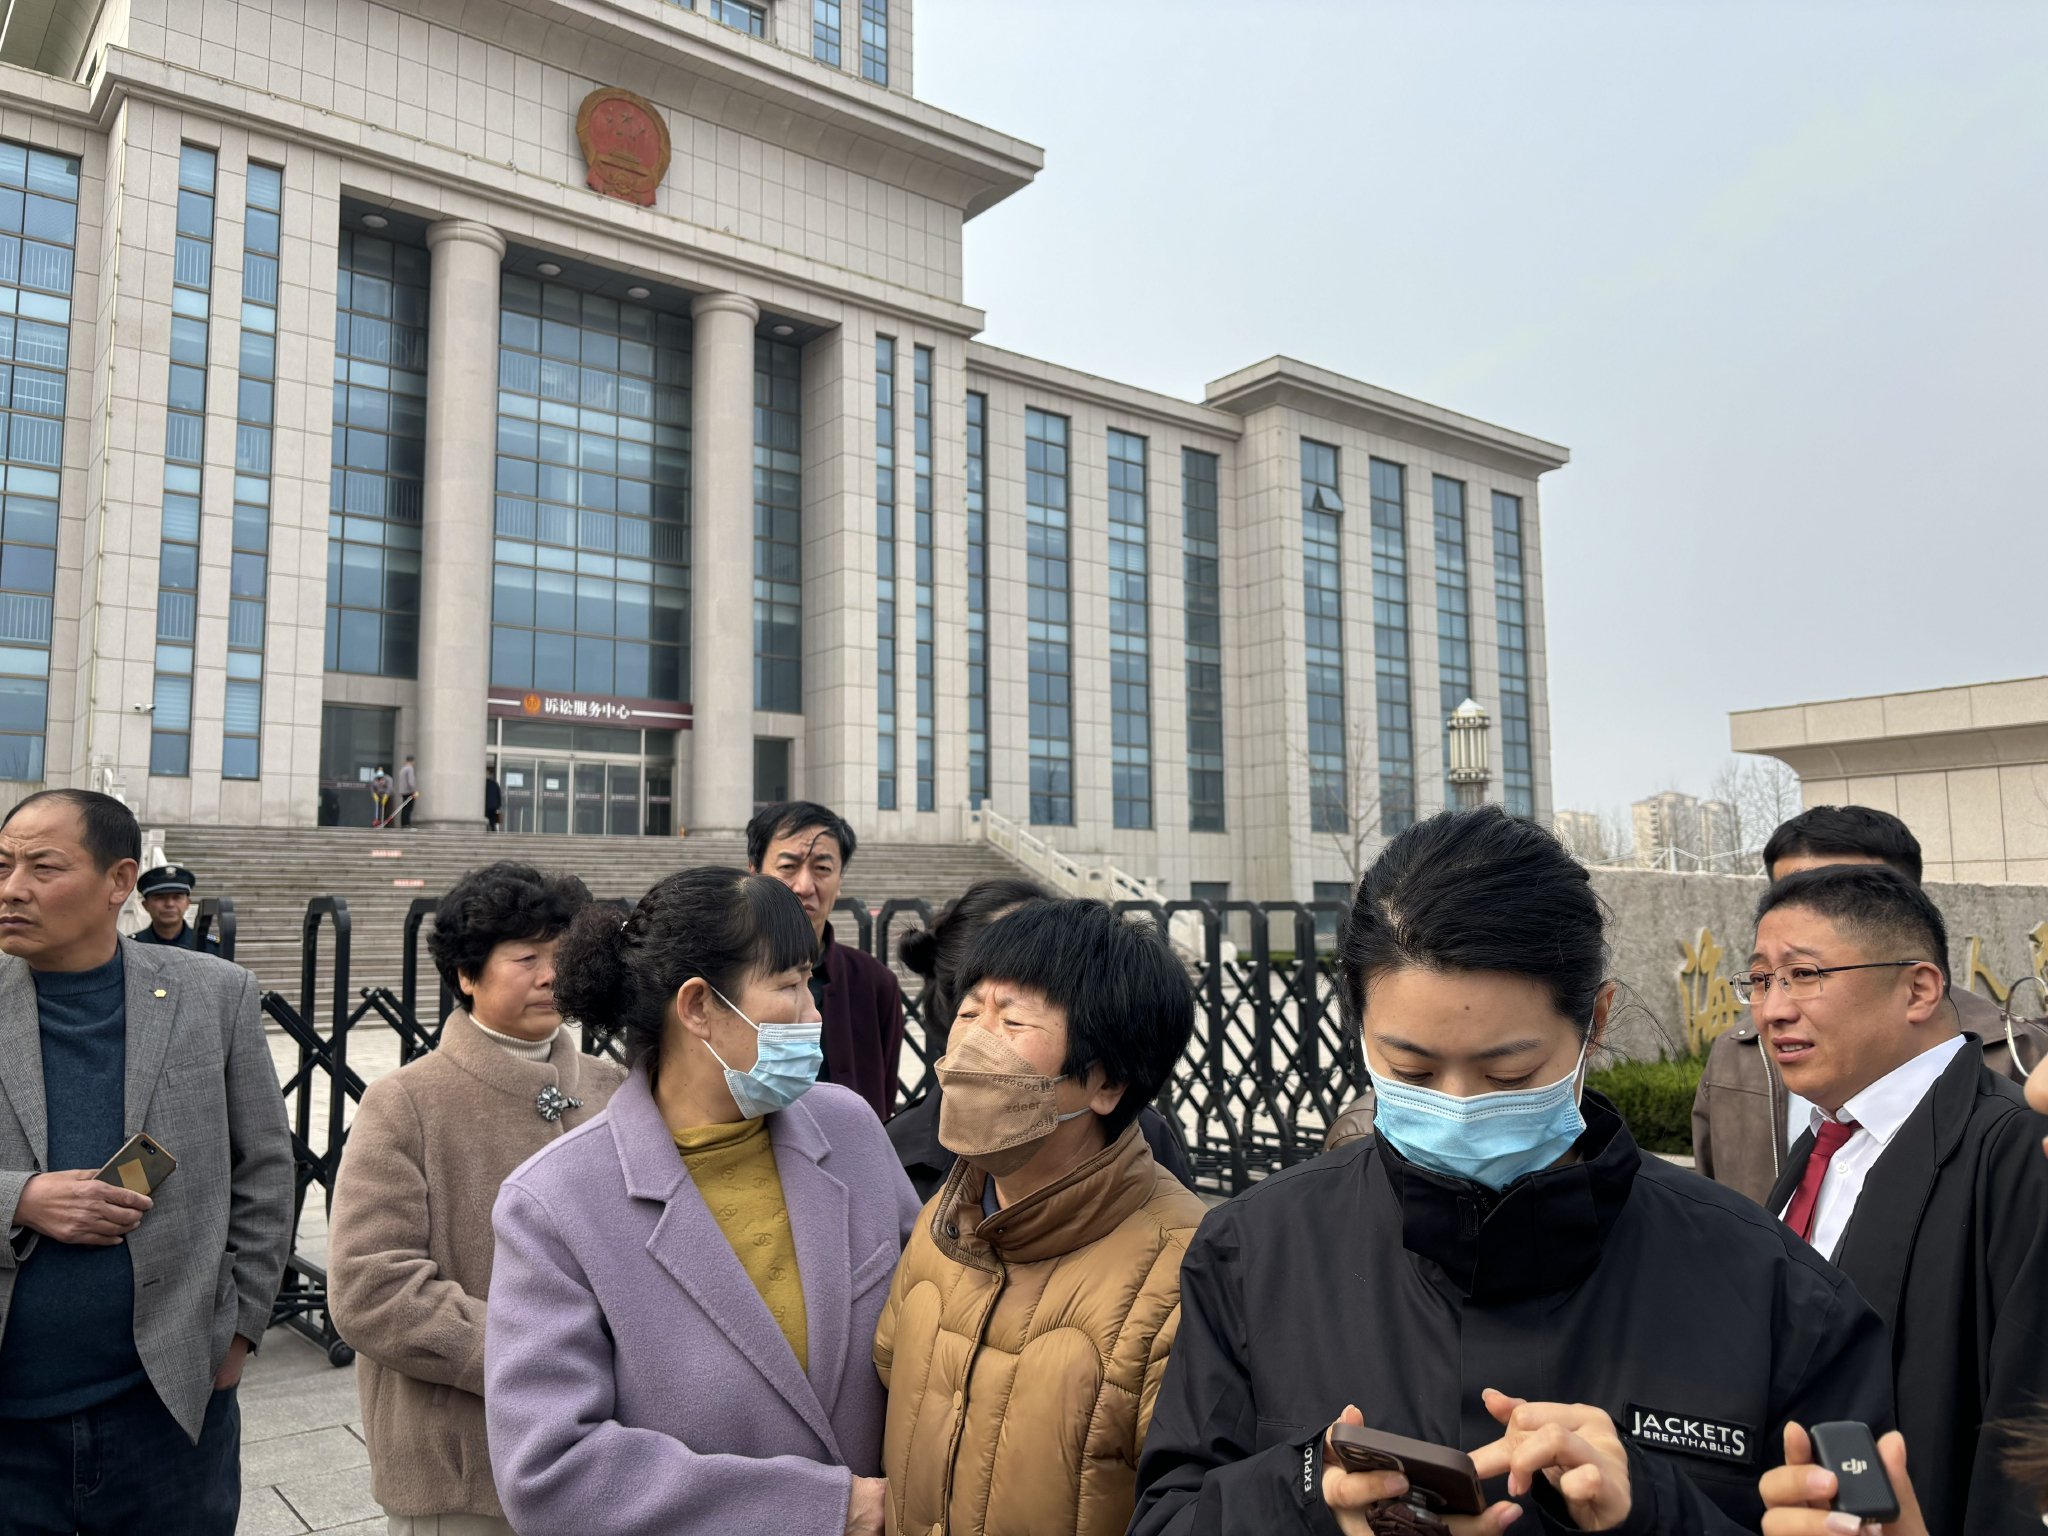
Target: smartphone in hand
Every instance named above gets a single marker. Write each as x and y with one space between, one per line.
1441 1481
140 1165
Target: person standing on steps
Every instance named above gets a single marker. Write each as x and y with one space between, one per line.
408 790
166 895
807 847
380 797
494 798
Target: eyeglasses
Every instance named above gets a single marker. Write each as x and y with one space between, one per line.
1802 980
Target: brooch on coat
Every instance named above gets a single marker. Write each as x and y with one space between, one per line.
553 1103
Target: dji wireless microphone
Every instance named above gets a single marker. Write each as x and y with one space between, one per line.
1861 1487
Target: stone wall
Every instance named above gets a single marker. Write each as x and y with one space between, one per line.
1658 918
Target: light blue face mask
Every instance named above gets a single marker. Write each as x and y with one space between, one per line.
785 1065
1491 1138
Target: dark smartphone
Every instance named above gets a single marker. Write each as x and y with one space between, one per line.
1441 1481
140 1165
1862 1489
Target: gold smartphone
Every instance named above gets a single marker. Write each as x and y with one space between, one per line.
141 1165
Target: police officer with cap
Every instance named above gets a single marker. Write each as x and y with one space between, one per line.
166 894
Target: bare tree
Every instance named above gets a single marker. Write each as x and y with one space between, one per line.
1356 829
1763 793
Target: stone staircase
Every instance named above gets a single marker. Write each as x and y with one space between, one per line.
273 872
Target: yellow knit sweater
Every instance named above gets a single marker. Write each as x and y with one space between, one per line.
733 1167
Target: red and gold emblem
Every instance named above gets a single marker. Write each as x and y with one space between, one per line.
625 144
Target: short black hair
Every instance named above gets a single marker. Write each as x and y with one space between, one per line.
937 953
1875 902
499 904
725 925
1478 890
1128 1002
111 833
1856 830
789 817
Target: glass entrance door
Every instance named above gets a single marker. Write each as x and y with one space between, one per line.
516 777
622 804
584 780
553 797
589 807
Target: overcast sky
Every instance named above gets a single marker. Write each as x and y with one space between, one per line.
1774 272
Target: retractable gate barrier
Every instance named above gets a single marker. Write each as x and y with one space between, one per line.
1269 1069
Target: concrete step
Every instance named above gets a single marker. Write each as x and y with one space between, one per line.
271 873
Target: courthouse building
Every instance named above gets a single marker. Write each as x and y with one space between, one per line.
584 388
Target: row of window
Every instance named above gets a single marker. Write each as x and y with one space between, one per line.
885 572
829 18
590 590
177 604
39 214
1330 800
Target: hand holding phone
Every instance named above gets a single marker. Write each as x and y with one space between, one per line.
140 1165
72 1205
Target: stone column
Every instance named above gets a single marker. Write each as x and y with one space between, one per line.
722 561
455 573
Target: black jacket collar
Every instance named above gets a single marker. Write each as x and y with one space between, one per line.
1541 1235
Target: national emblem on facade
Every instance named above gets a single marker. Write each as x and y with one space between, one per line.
625 144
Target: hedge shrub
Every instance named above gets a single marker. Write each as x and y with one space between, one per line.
1655 1098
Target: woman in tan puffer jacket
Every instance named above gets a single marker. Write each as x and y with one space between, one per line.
1031 1317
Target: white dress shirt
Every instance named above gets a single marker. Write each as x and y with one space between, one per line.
1879 1111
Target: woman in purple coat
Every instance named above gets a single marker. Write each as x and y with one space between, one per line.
685 1289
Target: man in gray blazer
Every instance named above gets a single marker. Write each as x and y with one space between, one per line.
125 1317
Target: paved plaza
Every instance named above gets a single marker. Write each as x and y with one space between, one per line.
304 1464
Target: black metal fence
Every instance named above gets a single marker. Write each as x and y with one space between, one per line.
1269 1069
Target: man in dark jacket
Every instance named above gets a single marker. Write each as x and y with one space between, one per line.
1918 1176
166 895
807 847
1743 1119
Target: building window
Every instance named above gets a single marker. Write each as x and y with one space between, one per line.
1214 892
39 194
825 31
376 485
739 15
1392 677
1322 526
778 530
1328 923
255 417
874 41
1048 632
177 604
1453 605
1201 562
977 599
1510 599
591 591
772 774
885 573
1130 629
927 720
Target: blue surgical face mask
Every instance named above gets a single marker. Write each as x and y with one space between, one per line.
1491 1138
785 1065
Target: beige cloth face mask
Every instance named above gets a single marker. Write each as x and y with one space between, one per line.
995 1108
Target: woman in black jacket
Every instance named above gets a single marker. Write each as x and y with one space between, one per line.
936 954
1618 1344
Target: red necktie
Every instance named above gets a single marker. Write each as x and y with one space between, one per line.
1827 1142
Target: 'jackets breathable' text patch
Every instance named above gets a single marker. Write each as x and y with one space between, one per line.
1690 1435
